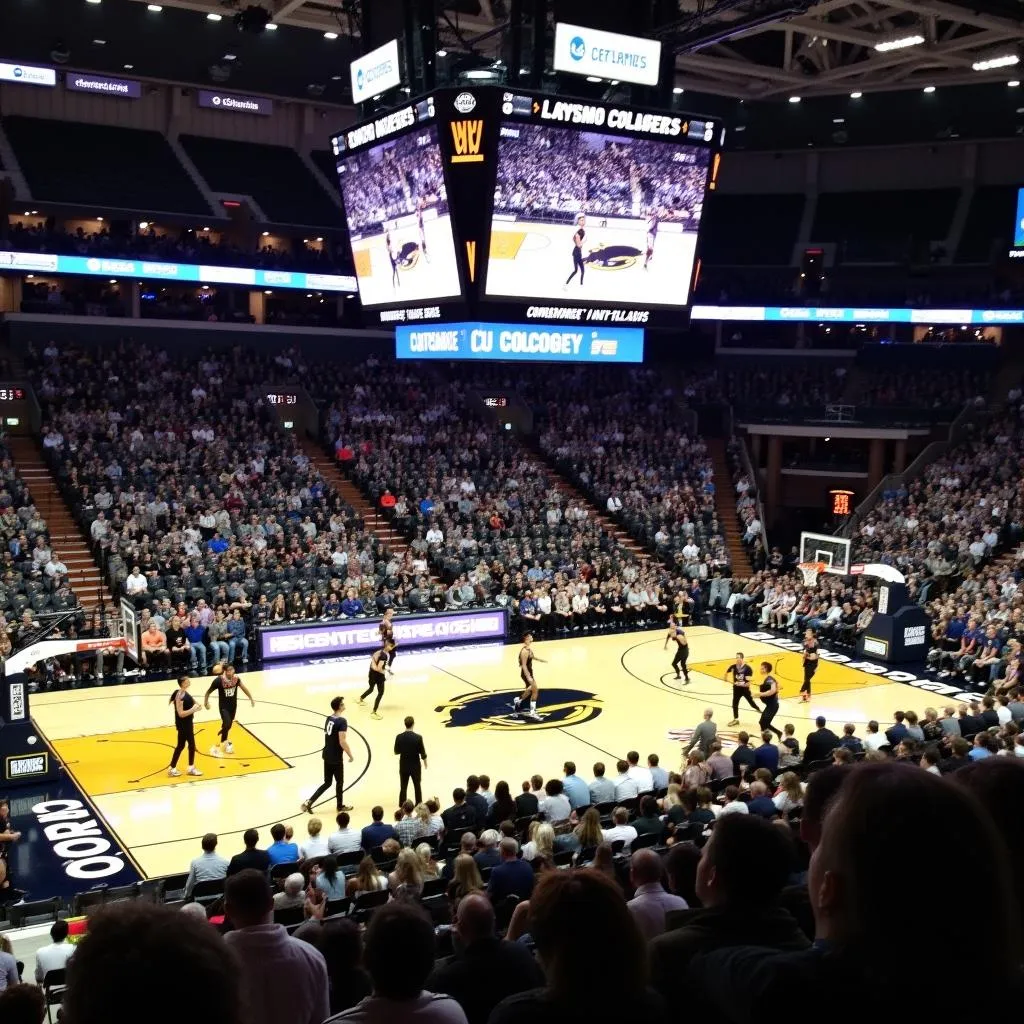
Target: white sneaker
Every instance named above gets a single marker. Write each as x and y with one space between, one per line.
215 751
173 772
194 771
533 716
229 748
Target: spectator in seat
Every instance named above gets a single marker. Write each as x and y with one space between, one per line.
602 790
250 857
460 814
281 851
578 919
574 788
153 650
512 877
209 866
740 906
22 1004
475 800
651 902
177 646
855 879
820 743
294 893
55 956
195 635
398 955
217 631
281 977
621 829
238 644
555 805
352 606
485 969
377 832
123 961
488 856
136 586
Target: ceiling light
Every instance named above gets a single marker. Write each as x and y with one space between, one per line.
265 233
330 35
794 99
319 238
271 27
229 56
856 95
92 1
899 43
129 67
677 91
99 218
143 224
839 120
442 53
928 89
99 42
213 16
593 78
155 8
335 78
1013 83
999 60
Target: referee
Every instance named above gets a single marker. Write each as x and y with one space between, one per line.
411 758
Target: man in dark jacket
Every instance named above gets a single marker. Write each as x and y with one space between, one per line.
820 743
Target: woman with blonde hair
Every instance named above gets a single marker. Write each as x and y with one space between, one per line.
671 798
315 845
366 879
542 842
790 794
428 866
430 823
465 881
406 881
588 832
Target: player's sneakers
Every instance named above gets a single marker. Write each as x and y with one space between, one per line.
173 772
306 807
194 771
377 715
215 751
361 702
229 748
729 725
532 716
516 701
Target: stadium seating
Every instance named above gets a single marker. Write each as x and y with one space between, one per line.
70 162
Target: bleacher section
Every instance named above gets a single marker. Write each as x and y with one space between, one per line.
884 226
750 230
102 165
274 176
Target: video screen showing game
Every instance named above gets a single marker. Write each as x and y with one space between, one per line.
593 216
398 219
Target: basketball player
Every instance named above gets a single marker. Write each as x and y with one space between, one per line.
395 282
387 636
185 707
227 685
652 236
526 660
810 664
675 632
421 204
577 249
769 695
335 744
378 665
741 673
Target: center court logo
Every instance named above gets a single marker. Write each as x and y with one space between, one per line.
613 257
577 48
493 712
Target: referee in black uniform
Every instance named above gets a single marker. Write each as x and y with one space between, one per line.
411 758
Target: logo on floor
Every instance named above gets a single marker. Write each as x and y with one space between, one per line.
494 711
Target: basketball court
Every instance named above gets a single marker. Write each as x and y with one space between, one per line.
599 697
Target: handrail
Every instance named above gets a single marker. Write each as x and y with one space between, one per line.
748 468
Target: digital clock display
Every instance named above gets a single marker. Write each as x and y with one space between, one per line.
495 401
12 394
283 399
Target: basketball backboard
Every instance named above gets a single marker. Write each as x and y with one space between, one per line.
834 552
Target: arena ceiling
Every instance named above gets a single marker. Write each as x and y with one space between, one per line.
748 49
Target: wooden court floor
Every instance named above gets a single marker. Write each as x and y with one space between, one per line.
600 697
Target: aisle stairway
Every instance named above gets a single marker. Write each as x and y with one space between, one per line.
66 538
725 506
376 523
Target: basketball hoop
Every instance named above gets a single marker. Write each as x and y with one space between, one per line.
810 571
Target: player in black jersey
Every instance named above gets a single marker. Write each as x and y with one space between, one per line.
741 674
335 744
769 694
185 707
577 249
526 660
378 664
810 664
675 632
421 205
393 257
387 636
227 685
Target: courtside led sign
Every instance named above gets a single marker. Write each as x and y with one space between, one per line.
586 51
561 343
27 74
858 315
235 104
126 88
375 73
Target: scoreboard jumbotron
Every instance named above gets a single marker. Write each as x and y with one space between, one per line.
492 204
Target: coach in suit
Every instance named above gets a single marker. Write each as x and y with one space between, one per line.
411 757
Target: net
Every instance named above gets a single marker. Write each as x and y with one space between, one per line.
810 571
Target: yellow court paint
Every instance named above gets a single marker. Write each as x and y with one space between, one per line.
600 697
505 245
788 668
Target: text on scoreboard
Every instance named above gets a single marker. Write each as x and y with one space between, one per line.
521 342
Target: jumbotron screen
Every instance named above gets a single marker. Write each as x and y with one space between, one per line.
396 207
589 215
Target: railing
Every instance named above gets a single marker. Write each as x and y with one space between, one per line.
748 468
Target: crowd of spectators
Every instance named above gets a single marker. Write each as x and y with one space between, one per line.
544 171
173 245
